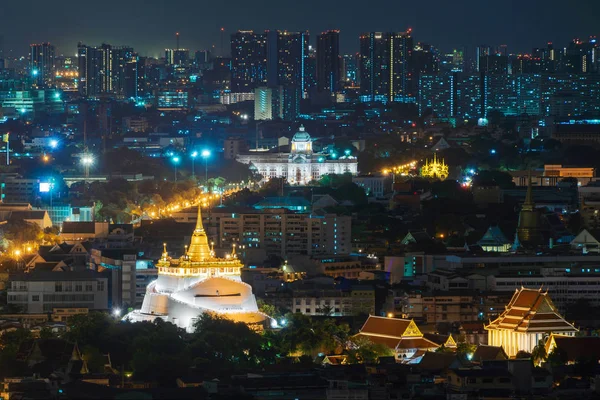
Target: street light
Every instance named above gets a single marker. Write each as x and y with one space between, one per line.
194 155
87 160
205 155
175 160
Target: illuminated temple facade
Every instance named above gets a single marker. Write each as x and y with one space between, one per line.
301 165
198 282
529 317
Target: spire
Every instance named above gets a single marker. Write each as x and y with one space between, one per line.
198 249
165 254
199 226
528 204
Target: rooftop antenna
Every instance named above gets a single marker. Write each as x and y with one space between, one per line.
222 35
177 39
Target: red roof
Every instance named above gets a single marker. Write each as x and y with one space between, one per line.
531 310
392 327
579 347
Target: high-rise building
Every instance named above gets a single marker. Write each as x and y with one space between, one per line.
90 64
102 69
202 59
248 61
263 103
134 78
328 61
385 70
438 93
121 57
41 63
310 75
481 53
350 69
276 102
286 55
177 57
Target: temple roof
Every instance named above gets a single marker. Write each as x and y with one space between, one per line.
199 250
531 310
493 237
390 327
198 254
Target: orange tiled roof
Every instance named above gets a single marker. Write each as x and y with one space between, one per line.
391 327
531 310
417 343
389 342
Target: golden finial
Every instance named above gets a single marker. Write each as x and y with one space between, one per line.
165 254
233 252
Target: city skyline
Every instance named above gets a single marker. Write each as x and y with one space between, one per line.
530 25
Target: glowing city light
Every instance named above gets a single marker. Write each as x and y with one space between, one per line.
87 160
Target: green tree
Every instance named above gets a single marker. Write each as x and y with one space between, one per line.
94 359
464 348
223 343
538 353
267 308
46 333
362 350
523 354
444 349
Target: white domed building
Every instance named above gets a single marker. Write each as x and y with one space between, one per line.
301 165
198 282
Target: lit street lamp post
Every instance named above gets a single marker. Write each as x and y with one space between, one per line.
194 155
175 162
205 155
87 160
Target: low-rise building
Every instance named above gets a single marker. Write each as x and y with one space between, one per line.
372 184
282 232
121 265
334 302
42 291
528 318
401 335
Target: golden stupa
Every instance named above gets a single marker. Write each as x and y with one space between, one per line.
199 259
198 282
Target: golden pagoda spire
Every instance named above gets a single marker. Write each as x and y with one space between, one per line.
199 249
165 254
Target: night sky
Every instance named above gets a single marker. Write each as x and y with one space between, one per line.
149 25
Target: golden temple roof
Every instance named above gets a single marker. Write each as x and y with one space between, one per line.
531 310
199 251
197 255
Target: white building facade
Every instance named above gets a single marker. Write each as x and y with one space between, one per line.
301 165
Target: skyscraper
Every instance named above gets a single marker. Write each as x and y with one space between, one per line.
41 63
177 57
481 54
248 61
134 78
385 68
102 69
121 57
90 64
328 61
286 55
350 71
